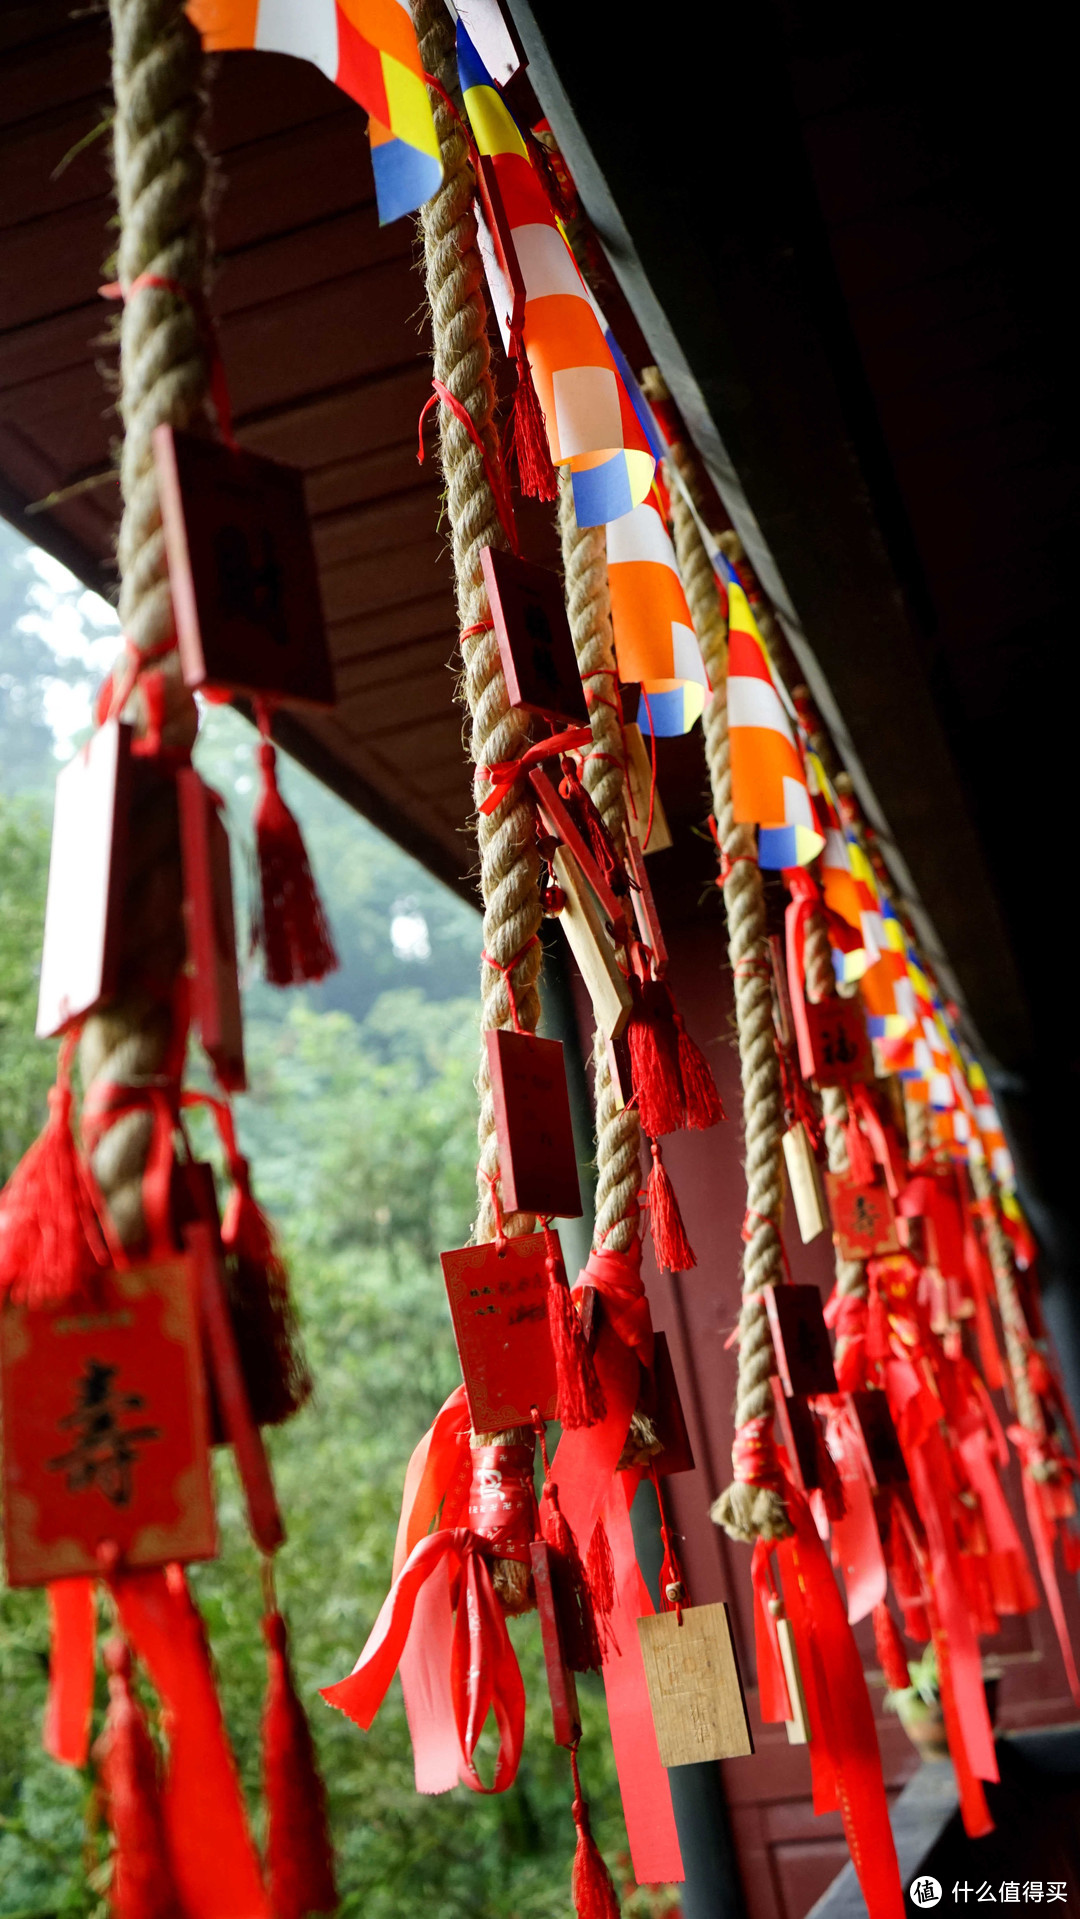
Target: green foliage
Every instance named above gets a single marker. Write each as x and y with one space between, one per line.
27 1065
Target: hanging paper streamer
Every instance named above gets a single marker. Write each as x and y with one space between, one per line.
768 783
368 47
655 643
886 988
591 422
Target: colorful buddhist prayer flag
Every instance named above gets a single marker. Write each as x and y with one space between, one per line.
847 880
887 991
768 783
990 1128
589 416
368 47
655 643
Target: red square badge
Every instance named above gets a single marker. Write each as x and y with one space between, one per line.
840 1046
104 1429
533 636
864 1224
498 1303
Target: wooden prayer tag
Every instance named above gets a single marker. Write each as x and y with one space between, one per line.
864 1223
839 1043
800 1339
695 1690
264 1517
796 1422
782 1014
498 1303
242 572
639 780
667 1413
648 919
591 945
537 1157
804 1182
561 823
211 929
562 1686
798 1726
509 289
104 1429
83 921
883 1454
533 635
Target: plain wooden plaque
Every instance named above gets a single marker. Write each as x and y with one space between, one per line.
639 780
798 1726
803 1183
648 919
83 942
537 1156
591 945
695 1689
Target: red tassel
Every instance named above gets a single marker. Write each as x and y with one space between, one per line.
142 1880
292 929
600 1580
299 1856
527 440
672 1248
654 1059
890 1649
260 1305
593 1889
51 1244
702 1104
580 1400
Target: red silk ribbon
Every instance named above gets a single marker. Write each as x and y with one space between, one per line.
72 1622
504 773
1043 1533
617 1278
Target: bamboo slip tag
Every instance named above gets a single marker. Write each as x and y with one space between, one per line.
800 1340
782 1014
695 1689
562 1686
864 1223
83 942
533 636
537 1157
804 1183
798 1726
639 780
648 919
242 572
498 1303
211 929
591 945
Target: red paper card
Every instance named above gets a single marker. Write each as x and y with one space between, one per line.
667 1413
800 1339
104 1428
560 822
534 640
245 586
562 1686
498 1303
211 929
83 934
883 1453
537 1159
864 1224
796 1422
839 1042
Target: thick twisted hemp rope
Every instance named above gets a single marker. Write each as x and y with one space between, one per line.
161 176
746 1511
618 1129
509 860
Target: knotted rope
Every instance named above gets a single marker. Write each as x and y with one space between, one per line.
1013 1319
756 1510
161 177
851 1280
509 861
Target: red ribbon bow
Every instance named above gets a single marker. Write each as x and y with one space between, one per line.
617 1278
504 772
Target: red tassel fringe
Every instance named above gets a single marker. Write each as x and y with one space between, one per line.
580 1400
654 1059
142 1880
672 1248
593 1889
261 1309
527 441
860 1156
51 1244
292 930
600 1581
299 1856
701 1101
890 1649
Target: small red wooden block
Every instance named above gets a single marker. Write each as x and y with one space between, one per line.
242 572
839 1043
211 929
667 1413
498 1303
864 1224
533 635
800 1339
560 822
883 1452
264 1517
104 1429
562 1686
83 920
796 1423
537 1159
645 912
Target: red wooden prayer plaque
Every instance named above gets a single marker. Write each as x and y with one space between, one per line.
883 1453
104 1429
800 1339
508 267
264 1517
498 1303
796 1422
667 1413
242 571
211 929
533 633
83 932
645 912
864 1224
537 1158
559 821
839 1042
562 1686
